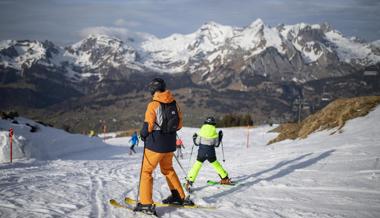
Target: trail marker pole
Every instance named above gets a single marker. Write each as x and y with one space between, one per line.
104 131
10 142
247 136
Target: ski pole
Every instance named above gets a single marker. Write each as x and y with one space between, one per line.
179 163
191 153
223 152
141 168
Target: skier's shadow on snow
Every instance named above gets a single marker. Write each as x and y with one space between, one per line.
286 171
14 165
243 178
165 210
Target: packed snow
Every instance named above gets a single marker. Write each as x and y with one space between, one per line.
323 175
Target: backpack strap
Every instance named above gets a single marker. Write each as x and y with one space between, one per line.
162 114
156 118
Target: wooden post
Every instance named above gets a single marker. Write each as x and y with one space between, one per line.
104 131
10 142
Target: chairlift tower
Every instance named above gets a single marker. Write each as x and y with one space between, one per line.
299 103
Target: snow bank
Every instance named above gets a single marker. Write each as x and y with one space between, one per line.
46 143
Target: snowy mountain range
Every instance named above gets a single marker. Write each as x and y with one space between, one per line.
223 56
217 69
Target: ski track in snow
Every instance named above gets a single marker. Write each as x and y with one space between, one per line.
322 176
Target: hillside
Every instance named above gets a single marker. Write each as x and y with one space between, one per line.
333 116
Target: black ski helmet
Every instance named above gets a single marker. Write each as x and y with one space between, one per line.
157 84
210 120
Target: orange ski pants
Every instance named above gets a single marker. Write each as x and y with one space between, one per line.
151 159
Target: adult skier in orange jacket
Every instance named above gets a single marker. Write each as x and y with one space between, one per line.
162 119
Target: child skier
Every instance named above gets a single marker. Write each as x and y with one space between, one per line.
207 140
179 145
134 142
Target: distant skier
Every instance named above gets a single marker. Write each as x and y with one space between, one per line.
134 142
207 140
179 145
163 118
92 133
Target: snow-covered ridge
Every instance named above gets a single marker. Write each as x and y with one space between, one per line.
210 47
350 50
42 143
211 39
95 51
21 54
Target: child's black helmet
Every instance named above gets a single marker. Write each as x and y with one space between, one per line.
157 84
210 120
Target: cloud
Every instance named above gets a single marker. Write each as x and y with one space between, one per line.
117 32
368 2
122 22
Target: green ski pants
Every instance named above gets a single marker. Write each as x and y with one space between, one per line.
193 173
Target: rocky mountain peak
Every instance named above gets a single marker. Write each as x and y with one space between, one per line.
99 50
258 23
97 41
22 54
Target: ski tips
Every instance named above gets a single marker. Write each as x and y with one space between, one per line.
129 200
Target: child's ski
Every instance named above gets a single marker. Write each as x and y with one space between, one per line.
211 182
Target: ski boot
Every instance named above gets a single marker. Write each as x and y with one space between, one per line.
149 209
175 199
188 202
188 186
226 181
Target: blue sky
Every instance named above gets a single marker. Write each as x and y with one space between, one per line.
68 21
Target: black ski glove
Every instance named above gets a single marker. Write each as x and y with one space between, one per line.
144 132
195 138
220 135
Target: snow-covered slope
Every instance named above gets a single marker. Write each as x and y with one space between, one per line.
321 176
44 144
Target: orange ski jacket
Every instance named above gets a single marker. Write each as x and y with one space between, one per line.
155 140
